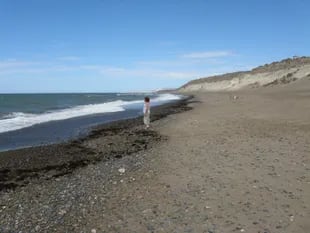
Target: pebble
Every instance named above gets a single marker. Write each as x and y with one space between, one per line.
93 231
121 170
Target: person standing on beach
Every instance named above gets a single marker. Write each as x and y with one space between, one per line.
146 112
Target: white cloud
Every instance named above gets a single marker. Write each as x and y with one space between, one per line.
146 73
23 67
69 58
8 67
181 75
13 63
177 68
208 54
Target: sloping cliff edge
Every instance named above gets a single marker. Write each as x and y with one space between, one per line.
276 73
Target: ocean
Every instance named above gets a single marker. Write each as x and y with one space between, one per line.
37 119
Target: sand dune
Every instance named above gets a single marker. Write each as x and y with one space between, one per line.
278 73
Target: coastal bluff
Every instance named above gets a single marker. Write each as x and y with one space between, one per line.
273 74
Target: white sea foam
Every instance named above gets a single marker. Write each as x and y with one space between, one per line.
19 120
166 97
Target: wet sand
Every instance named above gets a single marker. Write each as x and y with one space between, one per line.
237 162
108 141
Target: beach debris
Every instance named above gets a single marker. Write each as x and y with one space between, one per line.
240 229
208 207
62 212
93 230
147 211
291 218
121 170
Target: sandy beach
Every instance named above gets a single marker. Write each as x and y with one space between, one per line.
154 116
236 162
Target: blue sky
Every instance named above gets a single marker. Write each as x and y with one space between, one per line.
101 45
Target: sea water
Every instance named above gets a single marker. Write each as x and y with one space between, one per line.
34 119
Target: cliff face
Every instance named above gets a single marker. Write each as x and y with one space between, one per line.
276 73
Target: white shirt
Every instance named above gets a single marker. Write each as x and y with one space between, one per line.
146 108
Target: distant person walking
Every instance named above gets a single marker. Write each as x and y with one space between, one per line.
146 112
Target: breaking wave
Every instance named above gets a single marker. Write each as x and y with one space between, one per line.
19 120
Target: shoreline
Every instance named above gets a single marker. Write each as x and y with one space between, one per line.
59 131
106 141
52 129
